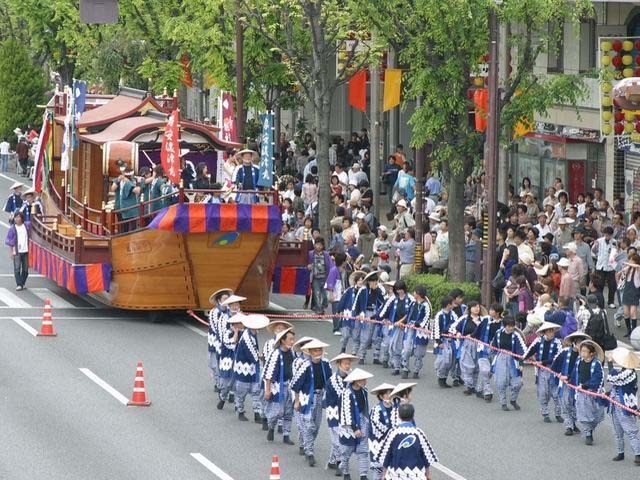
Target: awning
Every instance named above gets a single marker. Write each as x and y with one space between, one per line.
233 217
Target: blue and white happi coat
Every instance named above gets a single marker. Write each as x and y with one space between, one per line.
345 306
351 418
227 351
563 364
217 317
596 377
536 350
517 347
274 372
361 300
406 453
333 392
246 367
624 388
388 311
442 326
302 382
485 333
419 318
381 424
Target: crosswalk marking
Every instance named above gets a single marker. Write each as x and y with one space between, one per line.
56 301
11 300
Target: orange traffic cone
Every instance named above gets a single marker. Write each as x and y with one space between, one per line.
46 329
275 468
139 398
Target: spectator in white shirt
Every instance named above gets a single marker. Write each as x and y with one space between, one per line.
542 226
4 155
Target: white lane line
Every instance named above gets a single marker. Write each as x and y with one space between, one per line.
16 180
104 385
195 329
448 472
78 318
212 467
11 300
56 300
5 225
25 325
31 275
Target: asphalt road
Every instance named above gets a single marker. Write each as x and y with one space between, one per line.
59 424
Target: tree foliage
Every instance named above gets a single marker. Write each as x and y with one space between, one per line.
22 87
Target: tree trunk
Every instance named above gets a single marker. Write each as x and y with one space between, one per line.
455 214
322 113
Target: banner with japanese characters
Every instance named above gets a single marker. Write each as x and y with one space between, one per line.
170 153
266 151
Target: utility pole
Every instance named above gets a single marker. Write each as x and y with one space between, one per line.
504 59
374 149
239 76
419 172
493 146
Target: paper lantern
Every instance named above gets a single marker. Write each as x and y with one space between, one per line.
478 81
637 44
606 101
606 87
637 72
618 128
627 45
606 129
635 137
629 116
606 46
606 115
617 45
627 72
618 116
617 62
605 60
638 127
627 60
628 127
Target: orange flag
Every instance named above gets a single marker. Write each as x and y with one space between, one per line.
392 86
481 101
358 90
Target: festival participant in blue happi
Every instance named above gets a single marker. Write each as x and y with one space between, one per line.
563 364
274 328
369 299
443 348
299 358
349 327
467 351
416 335
394 311
213 336
543 350
246 177
246 367
14 201
354 423
400 395
506 368
485 333
334 389
406 453
230 335
383 327
278 372
29 204
308 385
624 389
380 416
588 375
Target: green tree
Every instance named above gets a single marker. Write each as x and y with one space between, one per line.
22 87
440 45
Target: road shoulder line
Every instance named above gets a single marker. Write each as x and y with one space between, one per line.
25 325
105 386
212 467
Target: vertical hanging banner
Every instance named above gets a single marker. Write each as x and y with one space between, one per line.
170 153
65 159
228 130
187 78
79 102
266 151
358 91
392 87
41 158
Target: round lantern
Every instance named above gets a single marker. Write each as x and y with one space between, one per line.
606 115
637 129
606 46
606 129
627 45
618 116
606 101
617 45
606 87
605 60
629 116
618 128
627 60
635 137
628 127
627 72
617 62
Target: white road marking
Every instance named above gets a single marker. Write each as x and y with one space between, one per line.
79 318
104 385
11 300
31 275
25 325
212 467
5 225
195 329
448 472
56 300
28 307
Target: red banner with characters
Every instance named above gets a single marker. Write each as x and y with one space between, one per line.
228 119
170 153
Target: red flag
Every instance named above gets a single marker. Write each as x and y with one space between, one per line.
41 152
481 101
187 79
358 90
170 152
228 119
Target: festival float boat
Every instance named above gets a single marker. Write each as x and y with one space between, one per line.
169 259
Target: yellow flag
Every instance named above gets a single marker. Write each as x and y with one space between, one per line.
392 83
